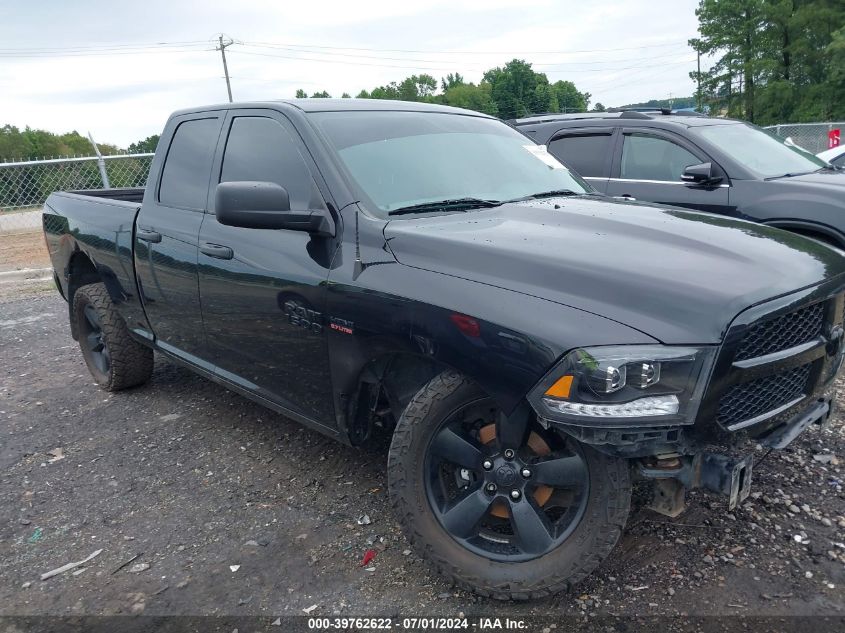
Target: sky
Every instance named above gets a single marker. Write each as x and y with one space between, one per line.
117 69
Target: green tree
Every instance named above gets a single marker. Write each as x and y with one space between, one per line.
301 94
471 97
450 81
599 107
569 99
731 29
321 95
776 60
518 91
345 95
142 147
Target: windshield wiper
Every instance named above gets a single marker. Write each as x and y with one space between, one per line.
554 193
790 175
454 204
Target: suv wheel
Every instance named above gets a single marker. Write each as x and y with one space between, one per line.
511 513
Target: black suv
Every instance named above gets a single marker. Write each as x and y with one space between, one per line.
689 160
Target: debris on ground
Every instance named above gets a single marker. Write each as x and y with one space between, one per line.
308 610
55 455
369 555
364 519
36 536
69 566
137 568
234 568
125 563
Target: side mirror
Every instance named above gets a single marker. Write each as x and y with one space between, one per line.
266 205
701 174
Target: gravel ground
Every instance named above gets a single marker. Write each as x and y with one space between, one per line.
204 503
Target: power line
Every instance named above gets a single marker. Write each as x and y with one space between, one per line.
102 52
465 52
83 47
463 63
444 67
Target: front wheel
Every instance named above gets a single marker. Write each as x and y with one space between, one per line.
505 508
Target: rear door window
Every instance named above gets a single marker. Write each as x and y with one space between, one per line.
187 168
649 157
585 153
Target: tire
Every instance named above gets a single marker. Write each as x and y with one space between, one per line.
114 358
605 502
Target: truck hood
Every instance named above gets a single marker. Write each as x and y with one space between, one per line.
676 275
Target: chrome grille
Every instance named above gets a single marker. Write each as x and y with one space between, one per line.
783 332
748 400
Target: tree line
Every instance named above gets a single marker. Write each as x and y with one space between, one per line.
511 91
777 61
32 144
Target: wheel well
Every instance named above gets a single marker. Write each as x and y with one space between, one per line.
816 234
80 272
385 387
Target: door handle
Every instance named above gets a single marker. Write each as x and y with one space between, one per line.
148 236
625 196
215 250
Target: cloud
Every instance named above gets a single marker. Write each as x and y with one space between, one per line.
122 95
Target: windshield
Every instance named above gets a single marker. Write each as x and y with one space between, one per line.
404 159
760 151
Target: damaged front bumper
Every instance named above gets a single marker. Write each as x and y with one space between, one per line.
723 474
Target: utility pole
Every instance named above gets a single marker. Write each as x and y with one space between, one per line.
222 49
698 76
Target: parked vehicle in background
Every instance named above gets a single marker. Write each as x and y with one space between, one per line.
834 156
368 265
688 160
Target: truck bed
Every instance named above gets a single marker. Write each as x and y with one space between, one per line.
128 194
99 224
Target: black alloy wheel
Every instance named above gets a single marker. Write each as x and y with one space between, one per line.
502 507
507 490
93 340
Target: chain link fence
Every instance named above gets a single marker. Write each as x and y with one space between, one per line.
24 186
814 137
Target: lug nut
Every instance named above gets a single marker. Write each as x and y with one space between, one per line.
515 495
526 473
487 465
509 453
491 488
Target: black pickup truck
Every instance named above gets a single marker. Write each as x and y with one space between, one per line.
369 267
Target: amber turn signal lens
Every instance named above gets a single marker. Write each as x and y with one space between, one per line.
561 387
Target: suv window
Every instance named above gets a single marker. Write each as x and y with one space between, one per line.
585 153
184 178
647 157
261 149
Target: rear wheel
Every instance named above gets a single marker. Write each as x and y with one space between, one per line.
114 358
507 509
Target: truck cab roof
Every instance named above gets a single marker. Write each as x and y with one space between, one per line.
337 105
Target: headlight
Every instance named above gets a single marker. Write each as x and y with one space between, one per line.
614 386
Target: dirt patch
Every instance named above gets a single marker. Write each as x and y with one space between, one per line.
23 250
238 511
